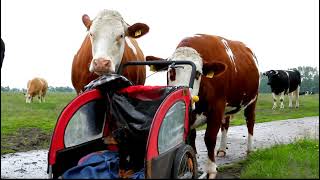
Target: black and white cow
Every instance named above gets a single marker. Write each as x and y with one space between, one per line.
283 82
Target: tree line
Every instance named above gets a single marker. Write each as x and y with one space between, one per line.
309 80
50 89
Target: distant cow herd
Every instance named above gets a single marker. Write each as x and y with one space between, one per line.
227 78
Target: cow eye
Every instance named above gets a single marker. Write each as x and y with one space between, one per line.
119 37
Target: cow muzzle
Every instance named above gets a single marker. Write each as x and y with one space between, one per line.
102 66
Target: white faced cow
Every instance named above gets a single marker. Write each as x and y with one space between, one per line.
227 81
110 42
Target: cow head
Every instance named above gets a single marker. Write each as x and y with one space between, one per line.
28 97
108 32
272 75
179 75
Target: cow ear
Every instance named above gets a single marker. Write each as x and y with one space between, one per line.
137 30
86 21
213 69
158 67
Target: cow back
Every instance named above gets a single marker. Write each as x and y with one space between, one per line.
35 86
239 83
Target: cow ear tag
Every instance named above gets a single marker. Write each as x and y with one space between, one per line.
210 74
137 33
152 68
195 99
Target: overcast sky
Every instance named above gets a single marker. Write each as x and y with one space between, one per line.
42 36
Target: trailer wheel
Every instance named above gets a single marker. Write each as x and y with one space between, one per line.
185 163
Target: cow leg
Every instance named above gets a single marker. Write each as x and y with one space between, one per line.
281 100
290 99
250 115
296 92
40 98
224 130
274 97
213 126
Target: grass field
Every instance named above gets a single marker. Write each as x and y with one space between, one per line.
298 160
309 106
29 126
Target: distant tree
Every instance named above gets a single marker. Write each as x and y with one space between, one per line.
309 78
5 89
51 89
15 90
63 89
263 87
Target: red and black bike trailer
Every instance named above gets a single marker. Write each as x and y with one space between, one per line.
113 118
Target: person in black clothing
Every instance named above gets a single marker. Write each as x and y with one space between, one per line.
2 51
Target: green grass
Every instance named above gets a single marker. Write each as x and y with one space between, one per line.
299 160
15 113
29 126
309 106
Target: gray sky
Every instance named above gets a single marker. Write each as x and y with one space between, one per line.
42 36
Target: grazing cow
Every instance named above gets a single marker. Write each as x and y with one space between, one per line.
110 41
283 82
305 93
2 51
227 81
36 86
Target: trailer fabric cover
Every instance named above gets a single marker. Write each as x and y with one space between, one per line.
133 118
131 111
99 165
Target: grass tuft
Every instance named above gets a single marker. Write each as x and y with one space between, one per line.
297 160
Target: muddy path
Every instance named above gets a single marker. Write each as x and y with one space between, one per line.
33 164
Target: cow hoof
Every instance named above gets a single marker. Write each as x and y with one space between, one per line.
221 153
211 175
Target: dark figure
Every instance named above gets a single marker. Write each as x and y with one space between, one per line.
2 51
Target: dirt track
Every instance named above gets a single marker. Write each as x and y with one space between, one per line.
33 164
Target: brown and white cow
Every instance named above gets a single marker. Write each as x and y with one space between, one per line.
36 87
110 42
227 81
